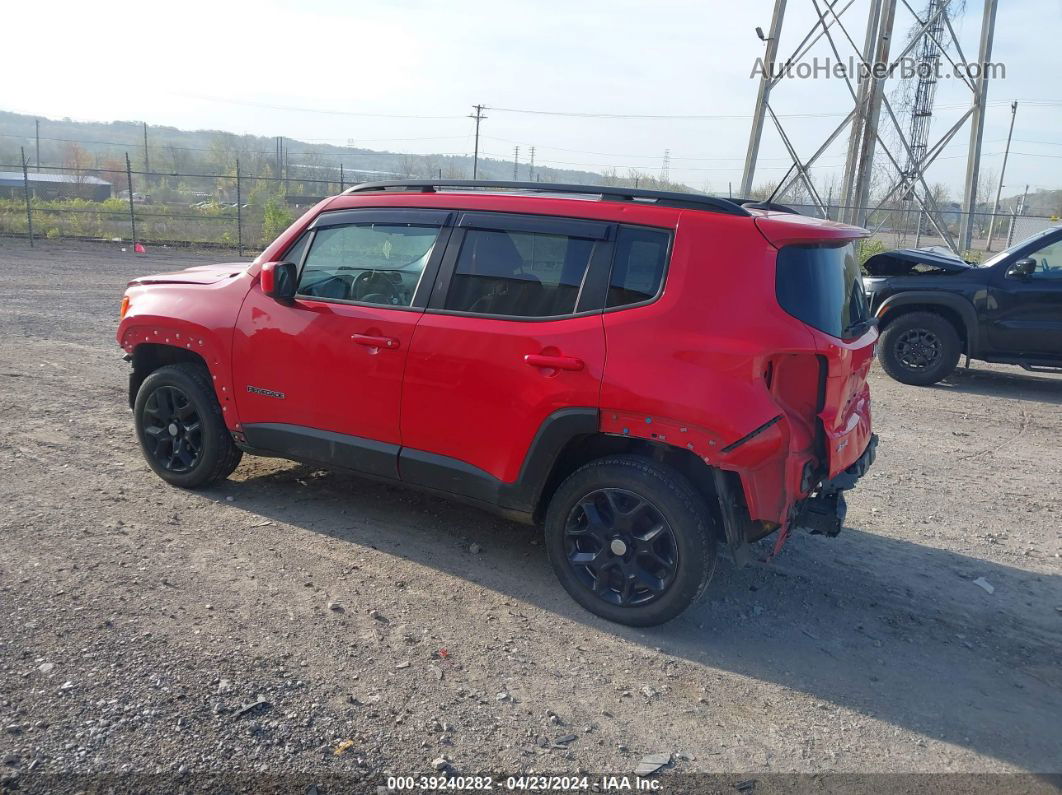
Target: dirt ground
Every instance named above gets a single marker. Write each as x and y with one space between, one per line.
384 629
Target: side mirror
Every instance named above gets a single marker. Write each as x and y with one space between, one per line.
278 280
1026 266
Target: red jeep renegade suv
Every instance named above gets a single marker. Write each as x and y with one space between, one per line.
651 375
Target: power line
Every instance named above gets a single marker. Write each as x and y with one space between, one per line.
327 112
688 116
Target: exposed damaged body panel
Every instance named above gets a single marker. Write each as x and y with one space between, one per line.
912 261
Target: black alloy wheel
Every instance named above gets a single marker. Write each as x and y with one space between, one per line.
918 349
172 429
181 428
630 539
621 547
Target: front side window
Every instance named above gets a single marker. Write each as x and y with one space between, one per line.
637 266
518 274
823 287
368 263
1048 262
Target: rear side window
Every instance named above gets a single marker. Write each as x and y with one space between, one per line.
518 274
637 265
823 287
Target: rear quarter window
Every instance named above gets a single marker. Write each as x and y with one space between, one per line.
823 287
638 265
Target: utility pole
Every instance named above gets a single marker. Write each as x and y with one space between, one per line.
977 127
37 135
762 97
26 193
478 116
147 160
516 163
531 165
1002 172
239 210
132 208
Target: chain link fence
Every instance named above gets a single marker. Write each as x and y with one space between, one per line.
232 210
245 212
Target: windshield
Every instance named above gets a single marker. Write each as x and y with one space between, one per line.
823 286
1002 255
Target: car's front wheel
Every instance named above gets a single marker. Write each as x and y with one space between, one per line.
181 429
630 539
920 348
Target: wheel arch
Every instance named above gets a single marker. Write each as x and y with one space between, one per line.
148 357
583 448
958 311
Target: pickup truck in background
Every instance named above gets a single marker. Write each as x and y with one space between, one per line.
933 308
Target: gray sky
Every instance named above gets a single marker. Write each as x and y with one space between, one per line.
271 67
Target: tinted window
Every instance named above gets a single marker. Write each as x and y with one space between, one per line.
824 288
521 274
1048 262
637 265
370 263
296 250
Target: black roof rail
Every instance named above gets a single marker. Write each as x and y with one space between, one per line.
690 201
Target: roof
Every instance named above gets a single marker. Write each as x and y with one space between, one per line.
658 198
779 224
14 179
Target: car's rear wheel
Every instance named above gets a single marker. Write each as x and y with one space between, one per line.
630 539
181 429
920 348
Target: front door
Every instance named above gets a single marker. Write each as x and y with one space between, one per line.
1026 313
320 378
511 336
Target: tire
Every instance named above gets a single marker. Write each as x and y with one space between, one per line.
596 570
200 451
920 348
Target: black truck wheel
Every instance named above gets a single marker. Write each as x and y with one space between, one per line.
630 539
180 427
920 348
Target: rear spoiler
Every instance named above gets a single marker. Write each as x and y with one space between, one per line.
794 229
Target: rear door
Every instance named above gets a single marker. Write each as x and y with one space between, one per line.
320 377
512 334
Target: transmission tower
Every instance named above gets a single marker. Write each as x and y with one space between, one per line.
665 166
928 53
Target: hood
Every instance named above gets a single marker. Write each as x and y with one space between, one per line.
200 274
904 261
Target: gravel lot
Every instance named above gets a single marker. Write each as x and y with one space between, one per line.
382 629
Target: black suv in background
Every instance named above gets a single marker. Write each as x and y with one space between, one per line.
932 308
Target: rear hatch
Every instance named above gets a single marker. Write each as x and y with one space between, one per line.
818 281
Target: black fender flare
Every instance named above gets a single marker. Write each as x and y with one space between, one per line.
930 298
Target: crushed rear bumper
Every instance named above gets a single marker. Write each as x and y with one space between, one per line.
824 512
